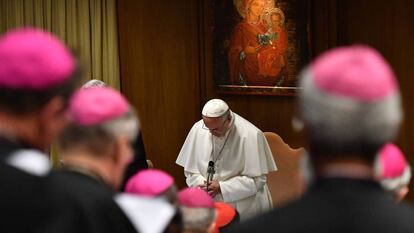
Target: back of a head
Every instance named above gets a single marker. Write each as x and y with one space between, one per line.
198 210
153 183
97 117
391 168
350 102
35 67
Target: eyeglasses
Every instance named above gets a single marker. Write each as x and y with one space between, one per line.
215 129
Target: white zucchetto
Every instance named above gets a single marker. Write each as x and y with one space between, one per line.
215 108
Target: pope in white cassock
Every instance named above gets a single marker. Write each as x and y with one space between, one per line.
239 153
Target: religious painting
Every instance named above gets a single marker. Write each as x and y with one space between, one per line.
259 46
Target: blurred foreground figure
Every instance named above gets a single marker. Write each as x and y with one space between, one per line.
350 106
139 161
96 147
393 171
37 76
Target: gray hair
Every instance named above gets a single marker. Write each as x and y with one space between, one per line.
197 220
341 125
126 125
98 139
94 83
170 195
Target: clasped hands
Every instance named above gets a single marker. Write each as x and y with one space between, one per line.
213 188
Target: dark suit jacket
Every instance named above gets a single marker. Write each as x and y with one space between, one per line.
336 205
138 163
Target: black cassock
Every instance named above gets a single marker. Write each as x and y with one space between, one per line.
27 201
139 161
93 209
337 205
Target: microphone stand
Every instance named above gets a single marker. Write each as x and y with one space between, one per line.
210 173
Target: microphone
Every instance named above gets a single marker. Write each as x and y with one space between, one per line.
210 173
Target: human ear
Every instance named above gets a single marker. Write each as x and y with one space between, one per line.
51 120
122 150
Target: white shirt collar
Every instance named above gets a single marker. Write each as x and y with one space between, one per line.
147 215
30 161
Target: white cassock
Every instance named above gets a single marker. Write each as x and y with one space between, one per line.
241 167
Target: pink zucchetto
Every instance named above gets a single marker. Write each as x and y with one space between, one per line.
392 161
33 59
195 198
357 72
391 167
92 106
149 182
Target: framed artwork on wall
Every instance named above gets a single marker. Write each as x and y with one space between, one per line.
259 46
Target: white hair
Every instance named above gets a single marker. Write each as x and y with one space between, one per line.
197 219
99 138
94 83
343 122
126 125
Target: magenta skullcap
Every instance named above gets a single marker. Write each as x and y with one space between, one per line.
92 106
392 161
195 198
33 59
149 182
358 72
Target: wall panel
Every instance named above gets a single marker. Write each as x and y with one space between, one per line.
159 68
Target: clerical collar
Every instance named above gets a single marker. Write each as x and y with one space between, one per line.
30 161
22 156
